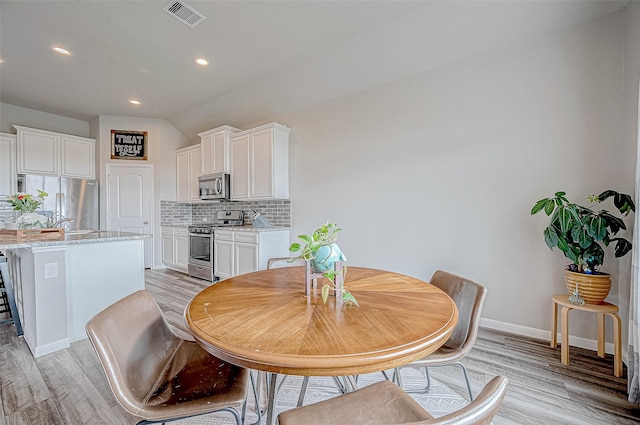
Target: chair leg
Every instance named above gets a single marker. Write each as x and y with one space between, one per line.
397 377
466 378
422 390
255 398
303 390
340 385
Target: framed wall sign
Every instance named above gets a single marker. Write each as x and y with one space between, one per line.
128 144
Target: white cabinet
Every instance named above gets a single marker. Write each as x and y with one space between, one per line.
175 248
243 251
223 254
7 165
216 149
77 157
260 163
188 169
55 154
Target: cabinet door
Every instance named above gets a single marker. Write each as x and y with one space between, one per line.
195 171
246 258
183 176
261 164
181 249
167 247
77 157
215 153
38 152
208 149
223 259
240 167
7 165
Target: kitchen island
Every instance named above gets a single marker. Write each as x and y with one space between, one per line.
60 283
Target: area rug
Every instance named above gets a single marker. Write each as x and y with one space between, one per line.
439 401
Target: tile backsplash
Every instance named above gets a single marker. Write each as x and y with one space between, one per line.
277 211
6 211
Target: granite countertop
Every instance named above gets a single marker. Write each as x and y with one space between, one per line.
70 238
251 228
248 228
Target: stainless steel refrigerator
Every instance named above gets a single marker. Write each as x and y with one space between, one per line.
75 199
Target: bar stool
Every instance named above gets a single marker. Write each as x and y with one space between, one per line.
8 299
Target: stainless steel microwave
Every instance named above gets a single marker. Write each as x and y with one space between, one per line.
214 186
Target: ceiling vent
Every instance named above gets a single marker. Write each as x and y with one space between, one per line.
184 13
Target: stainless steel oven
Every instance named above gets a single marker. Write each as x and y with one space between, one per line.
201 252
200 262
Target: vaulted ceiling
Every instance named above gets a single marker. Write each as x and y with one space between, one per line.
267 57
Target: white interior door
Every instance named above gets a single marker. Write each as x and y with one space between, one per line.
130 202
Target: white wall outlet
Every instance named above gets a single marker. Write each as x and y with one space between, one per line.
50 270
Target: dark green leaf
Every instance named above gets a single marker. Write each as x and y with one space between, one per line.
550 237
560 194
606 194
563 245
622 247
595 255
565 218
539 206
581 236
549 206
614 223
596 226
572 254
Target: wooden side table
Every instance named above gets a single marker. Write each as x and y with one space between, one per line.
603 309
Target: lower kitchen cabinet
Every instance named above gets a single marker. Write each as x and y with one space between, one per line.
175 248
243 251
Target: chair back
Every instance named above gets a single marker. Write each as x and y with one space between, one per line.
133 341
469 297
279 262
480 411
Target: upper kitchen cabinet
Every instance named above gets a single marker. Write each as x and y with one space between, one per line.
188 169
260 163
215 149
7 165
55 154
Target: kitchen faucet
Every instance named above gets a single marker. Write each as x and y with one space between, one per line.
62 220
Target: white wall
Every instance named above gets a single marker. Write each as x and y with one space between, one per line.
441 170
164 139
11 114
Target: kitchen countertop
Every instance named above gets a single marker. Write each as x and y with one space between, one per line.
11 242
234 228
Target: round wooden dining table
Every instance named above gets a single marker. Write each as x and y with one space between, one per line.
264 321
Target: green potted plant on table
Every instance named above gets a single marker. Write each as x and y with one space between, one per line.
581 234
26 205
322 252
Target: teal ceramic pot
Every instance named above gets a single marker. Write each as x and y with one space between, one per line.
326 256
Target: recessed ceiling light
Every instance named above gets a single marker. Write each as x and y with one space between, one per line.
135 102
201 61
61 50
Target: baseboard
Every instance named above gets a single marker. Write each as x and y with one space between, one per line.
41 350
589 344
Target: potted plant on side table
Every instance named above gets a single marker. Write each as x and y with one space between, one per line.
320 250
580 233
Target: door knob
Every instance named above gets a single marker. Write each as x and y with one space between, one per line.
146 222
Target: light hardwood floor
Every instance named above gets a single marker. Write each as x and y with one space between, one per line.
68 387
